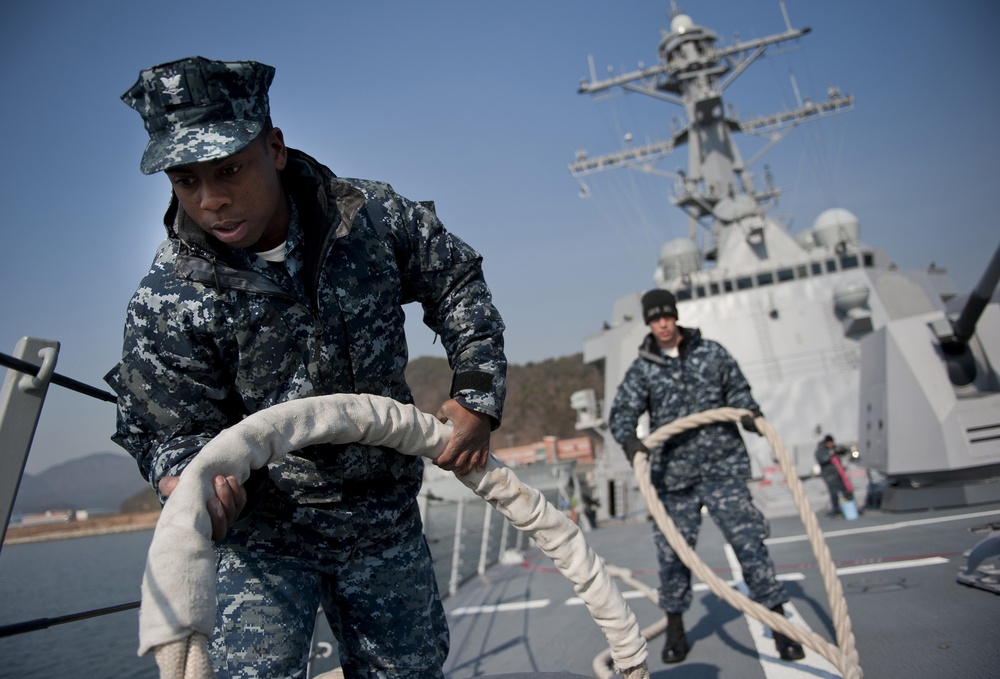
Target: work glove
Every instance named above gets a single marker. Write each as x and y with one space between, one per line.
632 446
747 421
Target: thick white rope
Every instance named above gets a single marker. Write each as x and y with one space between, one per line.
844 656
179 586
602 661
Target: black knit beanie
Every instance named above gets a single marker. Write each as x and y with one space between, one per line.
658 302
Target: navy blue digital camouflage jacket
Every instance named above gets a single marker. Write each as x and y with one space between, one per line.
703 377
214 333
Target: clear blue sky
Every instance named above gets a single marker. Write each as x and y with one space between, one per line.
473 104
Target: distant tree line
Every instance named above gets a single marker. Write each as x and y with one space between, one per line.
537 395
537 403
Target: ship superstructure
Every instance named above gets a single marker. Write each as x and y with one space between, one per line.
791 308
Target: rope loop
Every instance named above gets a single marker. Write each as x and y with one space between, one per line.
844 655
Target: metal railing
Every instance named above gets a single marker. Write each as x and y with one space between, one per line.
466 536
30 371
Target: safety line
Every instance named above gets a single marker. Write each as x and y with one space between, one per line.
68 382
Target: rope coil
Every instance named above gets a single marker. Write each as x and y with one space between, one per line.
844 655
179 584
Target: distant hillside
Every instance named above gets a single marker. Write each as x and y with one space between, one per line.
537 395
537 405
101 481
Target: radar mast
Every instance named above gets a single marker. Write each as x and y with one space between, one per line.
693 72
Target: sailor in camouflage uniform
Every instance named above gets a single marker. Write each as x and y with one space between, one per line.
679 373
277 281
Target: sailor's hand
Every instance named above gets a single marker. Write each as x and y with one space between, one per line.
632 446
227 505
468 448
749 424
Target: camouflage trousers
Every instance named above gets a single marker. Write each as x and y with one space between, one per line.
731 506
365 560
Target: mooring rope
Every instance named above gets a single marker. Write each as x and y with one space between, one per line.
844 655
179 585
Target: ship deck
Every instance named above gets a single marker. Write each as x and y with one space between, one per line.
910 616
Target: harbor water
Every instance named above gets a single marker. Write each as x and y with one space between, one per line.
63 577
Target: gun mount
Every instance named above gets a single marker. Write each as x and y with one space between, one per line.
930 403
963 366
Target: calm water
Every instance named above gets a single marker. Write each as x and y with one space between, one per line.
61 577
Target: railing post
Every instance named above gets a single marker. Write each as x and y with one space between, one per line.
504 534
21 402
456 555
484 546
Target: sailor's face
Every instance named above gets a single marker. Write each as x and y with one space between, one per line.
664 329
238 199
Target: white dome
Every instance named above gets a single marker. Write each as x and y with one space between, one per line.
850 295
679 257
835 226
680 23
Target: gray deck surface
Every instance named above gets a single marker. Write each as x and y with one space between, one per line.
909 615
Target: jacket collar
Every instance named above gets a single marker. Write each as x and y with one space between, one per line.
650 350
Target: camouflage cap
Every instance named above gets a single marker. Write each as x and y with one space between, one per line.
196 109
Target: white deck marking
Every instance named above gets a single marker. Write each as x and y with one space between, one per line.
784 577
891 565
813 665
879 529
696 587
630 594
500 608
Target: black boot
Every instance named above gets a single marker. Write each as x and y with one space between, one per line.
787 648
676 648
